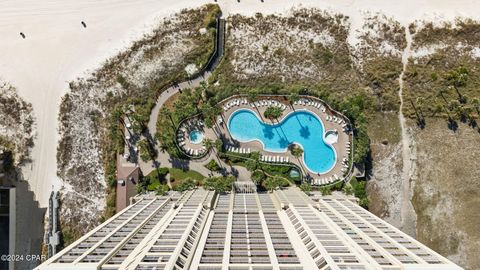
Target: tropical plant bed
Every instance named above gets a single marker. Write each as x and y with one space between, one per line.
178 178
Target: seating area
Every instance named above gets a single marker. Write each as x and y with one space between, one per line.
260 103
268 103
346 158
234 103
275 159
184 141
238 150
338 120
325 180
309 102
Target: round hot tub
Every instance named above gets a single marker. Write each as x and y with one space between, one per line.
195 136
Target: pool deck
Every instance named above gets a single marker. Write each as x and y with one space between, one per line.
340 146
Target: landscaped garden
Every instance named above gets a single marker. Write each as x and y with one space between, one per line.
200 102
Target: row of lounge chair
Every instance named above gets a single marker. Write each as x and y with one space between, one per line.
325 180
181 135
309 102
345 158
337 120
193 152
238 150
235 102
268 102
275 159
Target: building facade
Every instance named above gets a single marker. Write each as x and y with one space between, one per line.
282 230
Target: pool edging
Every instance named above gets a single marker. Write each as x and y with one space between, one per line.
293 142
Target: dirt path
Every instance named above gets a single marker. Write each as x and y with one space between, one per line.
407 212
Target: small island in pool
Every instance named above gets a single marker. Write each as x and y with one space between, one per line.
299 127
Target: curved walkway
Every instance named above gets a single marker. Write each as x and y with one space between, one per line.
163 158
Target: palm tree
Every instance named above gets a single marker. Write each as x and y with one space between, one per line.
415 109
208 143
294 97
252 96
438 106
476 105
420 105
441 93
164 112
458 78
296 151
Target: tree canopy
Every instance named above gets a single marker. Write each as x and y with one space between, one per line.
273 112
296 150
220 184
276 181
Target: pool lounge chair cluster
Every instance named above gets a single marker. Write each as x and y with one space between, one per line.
345 159
188 125
275 159
268 103
194 152
325 180
182 135
309 102
234 103
337 120
238 150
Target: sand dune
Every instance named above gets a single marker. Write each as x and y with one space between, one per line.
57 48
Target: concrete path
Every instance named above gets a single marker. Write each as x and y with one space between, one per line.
163 158
407 213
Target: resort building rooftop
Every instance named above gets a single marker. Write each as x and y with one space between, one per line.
282 230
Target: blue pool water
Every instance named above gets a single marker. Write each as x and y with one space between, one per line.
195 136
301 127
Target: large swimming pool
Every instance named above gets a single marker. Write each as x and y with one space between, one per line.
301 127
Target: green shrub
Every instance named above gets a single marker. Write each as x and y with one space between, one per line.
185 184
258 177
212 165
306 187
359 190
273 112
163 171
220 184
274 182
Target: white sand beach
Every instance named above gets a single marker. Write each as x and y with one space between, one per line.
57 48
